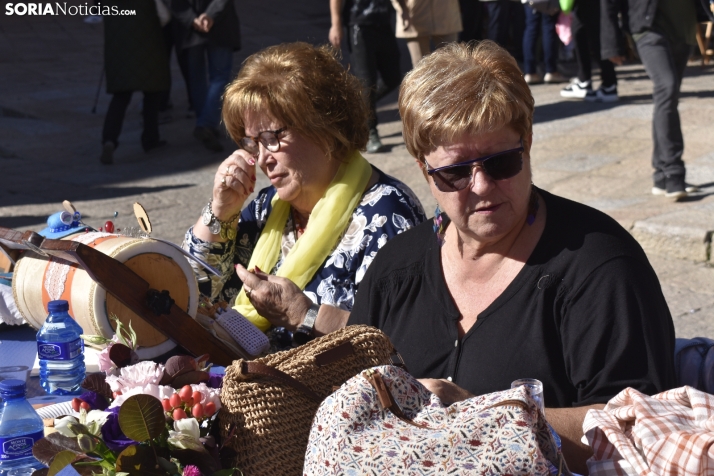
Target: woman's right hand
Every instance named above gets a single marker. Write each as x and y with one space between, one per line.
233 183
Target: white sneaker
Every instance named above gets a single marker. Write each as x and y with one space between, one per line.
608 94
533 78
577 89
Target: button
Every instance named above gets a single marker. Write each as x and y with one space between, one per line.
448 378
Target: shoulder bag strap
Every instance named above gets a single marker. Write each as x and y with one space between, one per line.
258 368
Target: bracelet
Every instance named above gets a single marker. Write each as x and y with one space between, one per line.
226 229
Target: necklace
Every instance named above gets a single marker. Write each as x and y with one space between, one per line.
298 228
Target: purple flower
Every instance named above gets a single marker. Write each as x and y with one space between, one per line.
215 380
191 470
96 401
112 435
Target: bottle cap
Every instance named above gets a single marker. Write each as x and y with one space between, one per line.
12 385
58 306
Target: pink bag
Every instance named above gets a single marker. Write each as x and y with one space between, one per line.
563 28
383 421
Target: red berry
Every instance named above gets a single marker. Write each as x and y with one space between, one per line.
209 409
185 393
197 396
76 402
197 411
109 226
85 405
179 414
166 404
189 403
175 400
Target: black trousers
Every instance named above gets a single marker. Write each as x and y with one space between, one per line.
471 19
506 24
375 52
115 118
586 33
665 63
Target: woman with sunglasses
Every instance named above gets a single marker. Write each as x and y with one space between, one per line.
299 116
509 281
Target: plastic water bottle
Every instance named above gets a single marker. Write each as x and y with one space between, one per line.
60 351
20 427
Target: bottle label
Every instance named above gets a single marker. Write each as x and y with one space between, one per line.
61 351
16 447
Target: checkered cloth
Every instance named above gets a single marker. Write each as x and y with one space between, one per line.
671 433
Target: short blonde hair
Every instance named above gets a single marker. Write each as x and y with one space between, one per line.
463 89
305 88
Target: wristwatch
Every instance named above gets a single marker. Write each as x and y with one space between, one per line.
226 229
304 332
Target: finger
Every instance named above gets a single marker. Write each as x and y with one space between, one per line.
249 279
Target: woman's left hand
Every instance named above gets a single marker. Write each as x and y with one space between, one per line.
448 392
277 299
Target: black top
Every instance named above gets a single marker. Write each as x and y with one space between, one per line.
585 315
366 12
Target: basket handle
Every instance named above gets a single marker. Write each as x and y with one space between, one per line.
259 368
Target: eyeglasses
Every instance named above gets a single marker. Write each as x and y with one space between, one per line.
500 166
269 139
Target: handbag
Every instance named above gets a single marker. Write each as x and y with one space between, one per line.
268 404
384 421
549 7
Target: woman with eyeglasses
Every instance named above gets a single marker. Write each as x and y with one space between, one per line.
509 281
305 241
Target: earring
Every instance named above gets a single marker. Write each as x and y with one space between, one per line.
439 225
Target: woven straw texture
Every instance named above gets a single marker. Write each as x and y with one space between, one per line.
271 421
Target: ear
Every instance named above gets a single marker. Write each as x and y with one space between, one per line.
422 166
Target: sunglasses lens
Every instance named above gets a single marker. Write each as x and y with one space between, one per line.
269 141
249 144
504 166
453 179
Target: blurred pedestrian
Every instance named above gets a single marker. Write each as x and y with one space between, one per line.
427 23
544 23
209 33
373 49
665 33
471 20
586 34
171 31
506 24
134 60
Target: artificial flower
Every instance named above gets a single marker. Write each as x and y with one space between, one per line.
91 422
191 470
112 434
158 391
186 435
96 401
137 375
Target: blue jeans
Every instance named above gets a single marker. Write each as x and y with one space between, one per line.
546 23
207 86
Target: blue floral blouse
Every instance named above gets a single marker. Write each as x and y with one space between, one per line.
387 209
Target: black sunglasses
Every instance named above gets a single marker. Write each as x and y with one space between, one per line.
499 166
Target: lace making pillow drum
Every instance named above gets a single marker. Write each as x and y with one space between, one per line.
39 279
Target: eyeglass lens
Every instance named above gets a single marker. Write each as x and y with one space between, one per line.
269 139
499 167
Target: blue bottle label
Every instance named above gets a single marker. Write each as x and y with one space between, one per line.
60 351
16 447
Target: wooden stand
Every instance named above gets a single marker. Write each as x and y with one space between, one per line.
130 289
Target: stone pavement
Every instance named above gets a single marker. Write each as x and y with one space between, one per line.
597 154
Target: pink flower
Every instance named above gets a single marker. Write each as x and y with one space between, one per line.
191 470
137 375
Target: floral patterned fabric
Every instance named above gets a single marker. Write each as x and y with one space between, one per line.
387 209
496 433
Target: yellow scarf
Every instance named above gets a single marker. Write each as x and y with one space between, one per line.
329 218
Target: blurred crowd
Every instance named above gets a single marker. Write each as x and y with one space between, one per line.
539 34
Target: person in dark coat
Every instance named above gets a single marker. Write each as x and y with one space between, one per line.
664 33
208 33
134 60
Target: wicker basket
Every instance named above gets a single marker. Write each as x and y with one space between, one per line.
267 420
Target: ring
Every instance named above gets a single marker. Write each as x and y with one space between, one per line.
228 170
247 293
223 181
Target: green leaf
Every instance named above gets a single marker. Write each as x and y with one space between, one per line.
62 459
141 417
138 460
132 337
